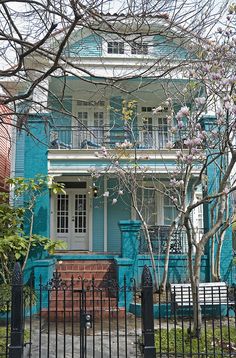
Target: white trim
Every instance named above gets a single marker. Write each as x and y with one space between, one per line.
103 169
52 225
105 215
90 218
52 217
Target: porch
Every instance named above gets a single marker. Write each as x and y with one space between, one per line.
147 136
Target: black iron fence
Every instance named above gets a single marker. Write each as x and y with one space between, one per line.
159 237
80 137
85 318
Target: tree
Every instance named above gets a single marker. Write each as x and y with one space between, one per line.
204 147
35 37
17 238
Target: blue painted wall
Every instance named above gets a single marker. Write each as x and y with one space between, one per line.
35 163
162 47
89 46
227 248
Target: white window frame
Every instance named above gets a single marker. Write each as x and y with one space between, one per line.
127 46
155 118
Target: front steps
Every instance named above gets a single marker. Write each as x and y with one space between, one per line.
88 285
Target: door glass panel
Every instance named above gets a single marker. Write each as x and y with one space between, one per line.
82 128
98 127
162 132
147 132
170 211
147 205
62 213
80 213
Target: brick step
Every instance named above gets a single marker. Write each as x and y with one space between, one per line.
85 265
77 304
87 285
60 315
87 275
96 294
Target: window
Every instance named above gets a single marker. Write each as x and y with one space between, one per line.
169 211
154 131
115 47
91 117
139 49
147 204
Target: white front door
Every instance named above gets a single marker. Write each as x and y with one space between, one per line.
71 218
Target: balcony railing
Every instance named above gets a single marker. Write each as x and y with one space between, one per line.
79 137
159 237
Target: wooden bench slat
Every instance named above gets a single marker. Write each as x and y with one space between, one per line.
210 293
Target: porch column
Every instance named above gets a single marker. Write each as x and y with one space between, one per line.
126 265
129 238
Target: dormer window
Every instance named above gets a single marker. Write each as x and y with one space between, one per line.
115 47
139 49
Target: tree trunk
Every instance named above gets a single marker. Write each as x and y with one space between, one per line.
195 280
147 236
218 254
167 257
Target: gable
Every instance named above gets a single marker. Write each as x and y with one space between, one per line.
164 47
90 46
159 46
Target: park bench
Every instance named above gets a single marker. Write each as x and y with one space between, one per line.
210 294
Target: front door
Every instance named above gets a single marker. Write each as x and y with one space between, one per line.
71 219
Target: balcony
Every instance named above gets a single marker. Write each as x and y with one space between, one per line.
140 137
159 235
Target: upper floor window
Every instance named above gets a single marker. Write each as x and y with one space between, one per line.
139 49
115 47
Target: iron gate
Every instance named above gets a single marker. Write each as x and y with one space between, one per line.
75 318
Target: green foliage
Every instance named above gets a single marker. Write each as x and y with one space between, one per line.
3 338
15 245
5 297
177 338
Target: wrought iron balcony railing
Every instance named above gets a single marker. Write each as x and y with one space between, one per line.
141 137
159 237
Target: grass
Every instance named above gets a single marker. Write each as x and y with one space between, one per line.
3 339
207 343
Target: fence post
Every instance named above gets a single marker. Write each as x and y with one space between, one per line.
149 349
17 325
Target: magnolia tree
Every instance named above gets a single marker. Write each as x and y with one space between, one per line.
203 144
35 37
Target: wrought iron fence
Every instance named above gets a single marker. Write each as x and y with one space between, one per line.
81 318
159 237
140 137
73 318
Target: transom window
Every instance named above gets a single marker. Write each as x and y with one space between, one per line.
116 47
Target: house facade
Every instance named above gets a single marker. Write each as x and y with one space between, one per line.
85 126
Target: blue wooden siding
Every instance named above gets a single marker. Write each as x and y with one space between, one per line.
60 116
90 46
98 218
120 211
162 47
36 163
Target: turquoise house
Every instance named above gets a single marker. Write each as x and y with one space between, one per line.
85 112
